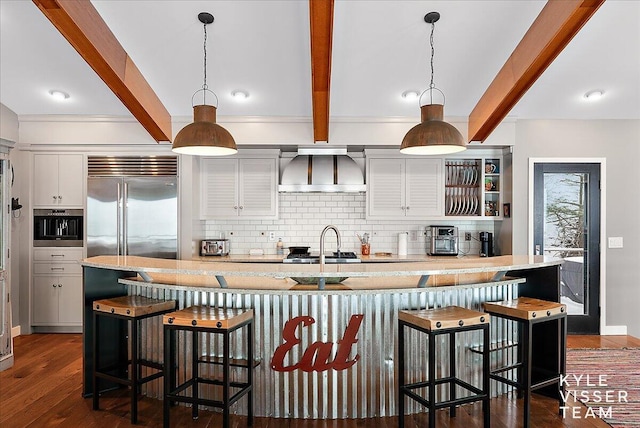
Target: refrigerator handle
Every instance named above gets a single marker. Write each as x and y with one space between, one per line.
125 243
118 216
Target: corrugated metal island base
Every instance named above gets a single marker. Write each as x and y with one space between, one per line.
325 354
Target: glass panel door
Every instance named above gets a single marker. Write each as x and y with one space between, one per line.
567 225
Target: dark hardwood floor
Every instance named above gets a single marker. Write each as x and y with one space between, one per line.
43 389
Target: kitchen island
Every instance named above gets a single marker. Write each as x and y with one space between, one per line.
354 321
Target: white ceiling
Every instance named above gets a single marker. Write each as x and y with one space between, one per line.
380 49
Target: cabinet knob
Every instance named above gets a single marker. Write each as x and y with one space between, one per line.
402 208
235 207
241 207
59 285
408 207
54 285
59 197
55 198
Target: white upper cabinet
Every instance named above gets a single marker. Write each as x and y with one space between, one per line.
404 188
58 180
243 187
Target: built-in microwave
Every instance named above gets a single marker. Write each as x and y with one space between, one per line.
58 228
443 241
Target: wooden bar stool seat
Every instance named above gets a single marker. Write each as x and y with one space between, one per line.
448 320
527 312
216 321
131 309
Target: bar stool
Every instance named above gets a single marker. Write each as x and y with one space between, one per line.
217 321
132 309
434 322
527 312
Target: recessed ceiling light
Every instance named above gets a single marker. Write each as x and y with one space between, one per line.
410 95
240 95
58 95
594 95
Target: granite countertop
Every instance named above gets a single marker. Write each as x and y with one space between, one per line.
432 266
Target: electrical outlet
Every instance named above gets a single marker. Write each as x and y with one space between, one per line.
413 235
272 236
467 236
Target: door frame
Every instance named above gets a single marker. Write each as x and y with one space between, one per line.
603 229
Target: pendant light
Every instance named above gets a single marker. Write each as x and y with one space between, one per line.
204 137
433 136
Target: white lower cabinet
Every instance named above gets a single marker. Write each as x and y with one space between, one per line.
57 287
57 300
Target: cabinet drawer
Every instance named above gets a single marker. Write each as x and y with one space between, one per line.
57 254
57 269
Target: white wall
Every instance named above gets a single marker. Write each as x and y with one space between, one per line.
619 142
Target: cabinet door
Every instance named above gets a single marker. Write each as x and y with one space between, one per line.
45 300
219 187
70 181
424 186
70 300
257 188
385 188
45 180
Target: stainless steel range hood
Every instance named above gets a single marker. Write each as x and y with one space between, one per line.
322 170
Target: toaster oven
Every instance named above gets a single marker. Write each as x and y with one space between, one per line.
214 247
443 241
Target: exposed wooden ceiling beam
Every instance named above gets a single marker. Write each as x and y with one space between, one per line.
81 24
321 17
558 22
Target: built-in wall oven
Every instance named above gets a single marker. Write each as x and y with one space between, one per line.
58 228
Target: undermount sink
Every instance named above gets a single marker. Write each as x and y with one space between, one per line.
314 280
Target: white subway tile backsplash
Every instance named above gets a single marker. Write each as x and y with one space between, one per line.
303 216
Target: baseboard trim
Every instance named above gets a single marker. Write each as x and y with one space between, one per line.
614 330
16 331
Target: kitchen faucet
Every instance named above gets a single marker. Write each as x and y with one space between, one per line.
324 232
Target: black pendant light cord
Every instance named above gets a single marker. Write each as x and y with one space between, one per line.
433 51
204 84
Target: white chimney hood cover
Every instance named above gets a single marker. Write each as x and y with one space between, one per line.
322 173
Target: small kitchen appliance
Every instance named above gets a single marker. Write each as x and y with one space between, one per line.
57 228
486 244
444 241
214 247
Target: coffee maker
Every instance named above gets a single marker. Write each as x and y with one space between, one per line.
486 244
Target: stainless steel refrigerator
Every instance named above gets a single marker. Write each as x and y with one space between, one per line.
132 215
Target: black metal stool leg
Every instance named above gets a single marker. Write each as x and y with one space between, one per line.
562 333
521 357
134 371
226 386
168 375
96 353
432 379
528 355
452 372
195 372
400 374
486 412
250 374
